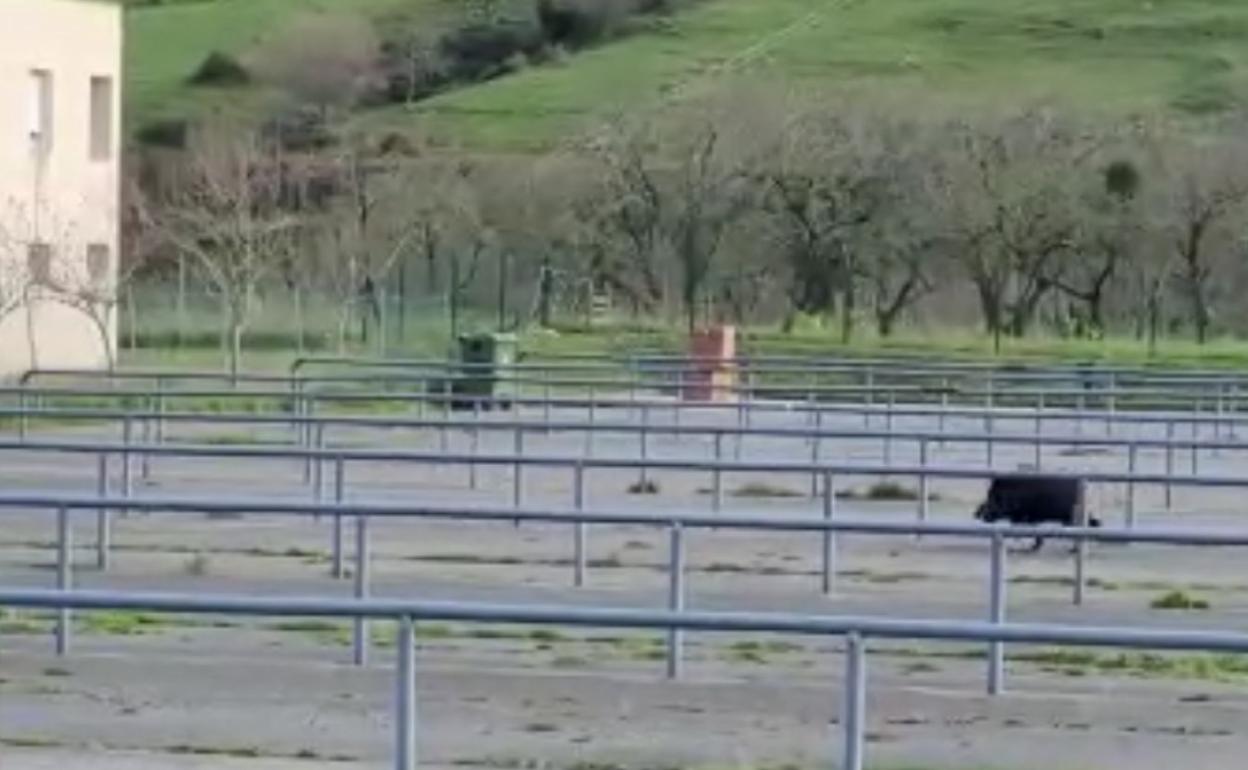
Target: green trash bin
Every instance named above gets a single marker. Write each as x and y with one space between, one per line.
485 360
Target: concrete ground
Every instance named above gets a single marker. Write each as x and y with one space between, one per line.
189 693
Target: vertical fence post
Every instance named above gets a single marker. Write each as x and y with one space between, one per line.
582 533
317 462
1081 545
474 449
103 516
160 412
924 482
22 418
868 395
717 475
1220 412
546 400
64 577
127 470
888 429
828 535
444 440
990 447
517 476
814 466
145 459
944 406
474 443
852 721
996 614
644 449
676 600
405 697
589 434
1132 458
1195 448
1169 463
340 472
303 429
1039 431
361 639
989 398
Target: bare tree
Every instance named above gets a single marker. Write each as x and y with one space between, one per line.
225 213
1007 190
411 54
325 60
674 186
1206 196
826 183
1112 229
91 285
710 190
631 207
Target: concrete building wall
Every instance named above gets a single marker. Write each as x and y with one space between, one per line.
60 149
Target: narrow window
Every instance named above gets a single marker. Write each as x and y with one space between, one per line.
98 265
101 118
41 101
39 264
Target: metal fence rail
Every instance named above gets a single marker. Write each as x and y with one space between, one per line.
856 630
1220 397
339 458
663 361
305 402
312 432
677 525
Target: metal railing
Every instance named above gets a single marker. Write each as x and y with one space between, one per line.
314 459
857 631
677 525
1226 398
312 431
305 403
667 361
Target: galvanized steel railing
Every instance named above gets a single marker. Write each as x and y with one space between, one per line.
857 631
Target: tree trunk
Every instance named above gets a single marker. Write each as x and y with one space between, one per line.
299 328
1201 320
848 303
31 343
1096 313
343 330
502 289
545 289
1154 320
132 309
181 302
236 348
453 298
381 320
401 322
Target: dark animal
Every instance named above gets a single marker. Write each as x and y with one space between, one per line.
1033 500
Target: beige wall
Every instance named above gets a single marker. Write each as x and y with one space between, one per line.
62 197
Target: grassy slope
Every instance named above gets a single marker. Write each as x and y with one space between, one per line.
1111 54
1114 54
165 43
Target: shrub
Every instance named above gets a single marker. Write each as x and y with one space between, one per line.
219 69
1178 600
580 23
169 134
643 487
482 51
